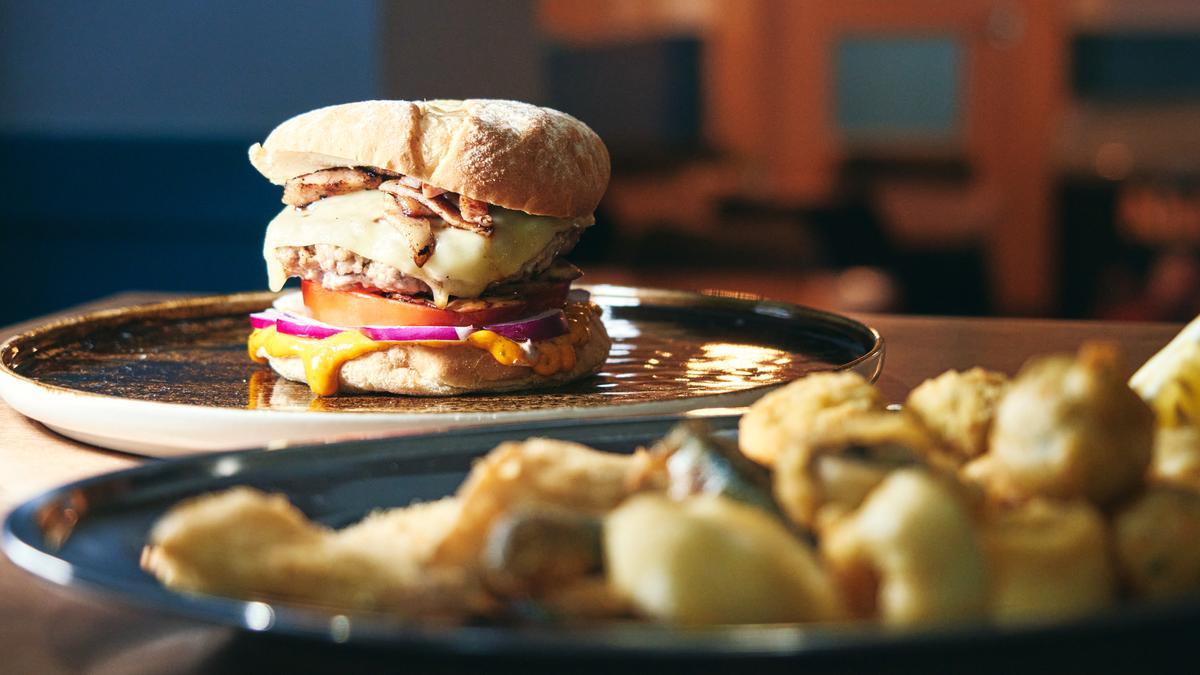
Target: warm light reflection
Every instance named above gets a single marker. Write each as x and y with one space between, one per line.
226 466
619 330
258 395
339 628
259 616
266 391
722 365
57 519
288 395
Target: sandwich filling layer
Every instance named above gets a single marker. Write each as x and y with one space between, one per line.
463 263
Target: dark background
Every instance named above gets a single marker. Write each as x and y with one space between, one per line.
124 128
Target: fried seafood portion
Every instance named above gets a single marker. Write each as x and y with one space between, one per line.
526 524
711 560
1157 541
551 560
536 473
910 554
958 407
245 543
531 550
697 461
829 472
866 513
801 407
1048 560
1071 427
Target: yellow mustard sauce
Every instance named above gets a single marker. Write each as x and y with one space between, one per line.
323 359
505 351
558 354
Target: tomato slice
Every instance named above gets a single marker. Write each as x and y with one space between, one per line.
365 308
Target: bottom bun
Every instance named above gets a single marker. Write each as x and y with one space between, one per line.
418 370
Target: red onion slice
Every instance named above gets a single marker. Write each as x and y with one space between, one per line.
264 319
543 326
299 327
417 333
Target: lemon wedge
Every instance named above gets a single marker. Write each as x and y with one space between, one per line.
1170 380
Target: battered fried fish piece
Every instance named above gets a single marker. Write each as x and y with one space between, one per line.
711 560
910 554
585 599
829 472
537 472
548 563
998 489
1071 427
697 461
530 551
245 543
801 407
1048 560
1157 541
958 408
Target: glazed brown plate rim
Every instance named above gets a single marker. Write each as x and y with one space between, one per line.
209 305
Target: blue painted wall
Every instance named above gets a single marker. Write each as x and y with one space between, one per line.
123 135
187 68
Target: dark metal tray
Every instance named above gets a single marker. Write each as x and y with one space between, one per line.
89 535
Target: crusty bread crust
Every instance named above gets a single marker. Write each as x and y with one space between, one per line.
511 154
445 371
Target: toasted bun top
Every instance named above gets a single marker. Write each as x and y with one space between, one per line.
511 154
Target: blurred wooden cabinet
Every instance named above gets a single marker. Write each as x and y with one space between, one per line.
775 75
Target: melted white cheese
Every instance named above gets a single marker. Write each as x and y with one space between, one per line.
463 263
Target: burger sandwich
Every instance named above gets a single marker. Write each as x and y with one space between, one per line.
428 239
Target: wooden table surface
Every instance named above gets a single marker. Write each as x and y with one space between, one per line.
45 629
